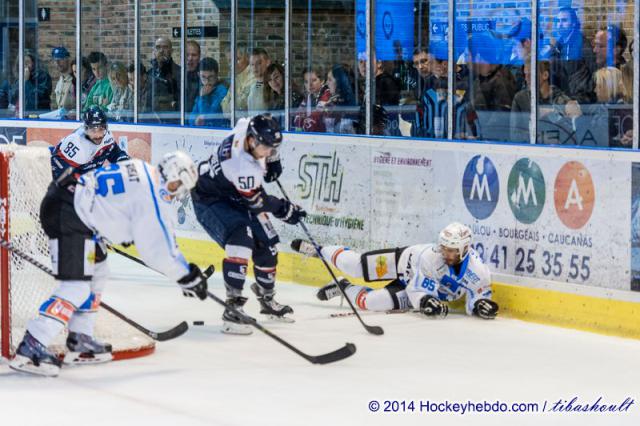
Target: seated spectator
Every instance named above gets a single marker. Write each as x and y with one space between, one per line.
340 108
243 83
259 61
274 93
309 118
422 63
192 83
143 87
121 106
88 79
551 103
493 89
609 45
65 90
101 92
207 108
163 79
37 86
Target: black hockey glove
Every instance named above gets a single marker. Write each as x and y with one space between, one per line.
194 283
290 213
274 170
485 309
432 307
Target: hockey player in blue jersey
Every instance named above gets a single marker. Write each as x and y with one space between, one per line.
231 205
88 147
424 277
129 201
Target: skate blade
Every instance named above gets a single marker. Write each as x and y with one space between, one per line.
237 329
83 358
286 320
25 365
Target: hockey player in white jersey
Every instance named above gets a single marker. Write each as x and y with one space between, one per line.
424 277
127 202
231 205
88 147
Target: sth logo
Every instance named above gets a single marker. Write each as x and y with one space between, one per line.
321 177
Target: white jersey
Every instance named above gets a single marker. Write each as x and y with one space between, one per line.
424 272
241 168
125 202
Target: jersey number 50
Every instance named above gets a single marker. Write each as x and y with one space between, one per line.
106 175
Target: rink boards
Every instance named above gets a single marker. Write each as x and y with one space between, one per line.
559 227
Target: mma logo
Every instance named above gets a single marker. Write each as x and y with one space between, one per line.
321 177
526 190
480 187
574 195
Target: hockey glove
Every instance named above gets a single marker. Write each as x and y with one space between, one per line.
432 307
194 284
291 213
274 170
485 309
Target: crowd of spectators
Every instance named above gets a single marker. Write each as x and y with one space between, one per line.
584 88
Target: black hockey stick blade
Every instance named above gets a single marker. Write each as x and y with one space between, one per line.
344 352
161 336
372 329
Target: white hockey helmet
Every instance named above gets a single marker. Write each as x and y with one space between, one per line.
178 166
456 236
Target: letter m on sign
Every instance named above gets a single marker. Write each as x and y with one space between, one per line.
480 187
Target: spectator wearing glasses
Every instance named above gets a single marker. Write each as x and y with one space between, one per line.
207 108
164 81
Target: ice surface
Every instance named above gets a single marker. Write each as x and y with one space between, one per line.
207 378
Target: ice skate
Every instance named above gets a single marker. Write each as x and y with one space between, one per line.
304 247
269 306
84 349
34 358
234 323
331 290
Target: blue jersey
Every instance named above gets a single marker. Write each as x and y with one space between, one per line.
79 152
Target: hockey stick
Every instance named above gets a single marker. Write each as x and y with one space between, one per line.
373 329
339 354
344 352
162 336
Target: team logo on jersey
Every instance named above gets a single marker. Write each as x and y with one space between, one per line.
526 190
574 195
165 196
381 266
480 187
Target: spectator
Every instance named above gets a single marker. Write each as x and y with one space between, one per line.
274 93
121 106
608 46
627 76
258 63
339 117
65 91
493 90
243 83
422 63
207 109
88 78
569 41
192 83
309 119
549 100
164 81
37 85
101 92
143 87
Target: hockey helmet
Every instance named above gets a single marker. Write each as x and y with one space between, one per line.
456 236
178 166
265 130
95 117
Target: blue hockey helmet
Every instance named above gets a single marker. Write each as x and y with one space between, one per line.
265 130
95 117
